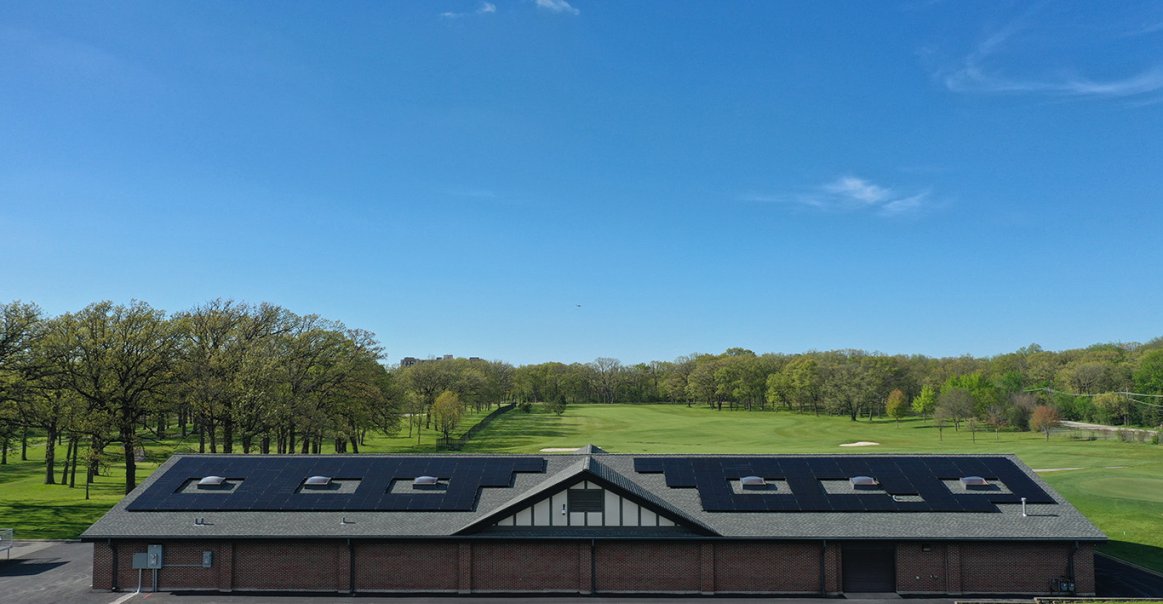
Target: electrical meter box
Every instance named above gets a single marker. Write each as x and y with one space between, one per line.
154 556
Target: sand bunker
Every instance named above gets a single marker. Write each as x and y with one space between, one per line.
862 443
560 449
1055 469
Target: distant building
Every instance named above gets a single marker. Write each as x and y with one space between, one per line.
410 361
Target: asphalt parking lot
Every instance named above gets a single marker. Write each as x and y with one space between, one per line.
60 572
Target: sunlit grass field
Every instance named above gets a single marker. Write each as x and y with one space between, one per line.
1118 485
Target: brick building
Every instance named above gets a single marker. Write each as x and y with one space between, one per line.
593 522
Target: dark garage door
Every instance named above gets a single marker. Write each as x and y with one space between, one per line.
869 567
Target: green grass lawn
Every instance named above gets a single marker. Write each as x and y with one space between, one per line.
1119 486
40 511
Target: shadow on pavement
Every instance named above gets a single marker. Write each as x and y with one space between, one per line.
28 567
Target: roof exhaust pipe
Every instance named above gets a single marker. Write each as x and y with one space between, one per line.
1024 514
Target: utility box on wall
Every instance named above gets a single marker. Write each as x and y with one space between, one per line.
154 556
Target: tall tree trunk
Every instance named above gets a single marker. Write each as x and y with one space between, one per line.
96 449
50 455
75 441
24 443
4 451
70 456
227 421
265 444
127 441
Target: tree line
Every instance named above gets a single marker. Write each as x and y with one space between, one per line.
1105 383
262 379
243 378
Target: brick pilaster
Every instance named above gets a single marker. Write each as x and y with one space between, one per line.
585 576
464 562
953 584
707 566
224 561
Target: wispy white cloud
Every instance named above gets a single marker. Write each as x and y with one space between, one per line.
983 71
558 6
485 8
851 194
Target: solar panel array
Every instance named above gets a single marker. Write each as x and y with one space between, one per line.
273 483
905 476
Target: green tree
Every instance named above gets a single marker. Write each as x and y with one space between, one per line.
1148 375
119 359
896 407
925 402
446 413
1114 405
558 406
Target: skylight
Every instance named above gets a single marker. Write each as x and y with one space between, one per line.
863 481
753 481
211 481
974 481
317 481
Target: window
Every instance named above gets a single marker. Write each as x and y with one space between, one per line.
586 500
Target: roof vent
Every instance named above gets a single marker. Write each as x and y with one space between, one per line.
974 481
317 481
425 481
752 482
863 481
211 481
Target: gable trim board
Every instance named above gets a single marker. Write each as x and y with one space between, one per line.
717 525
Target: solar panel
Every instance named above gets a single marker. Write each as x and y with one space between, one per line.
270 483
918 477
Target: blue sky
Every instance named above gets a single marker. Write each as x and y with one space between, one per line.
547 180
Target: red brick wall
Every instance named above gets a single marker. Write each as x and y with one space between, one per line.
1022 567
516 567
407 566
770 567
169 578
663 566
102 566
919 571
565 567
290 565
